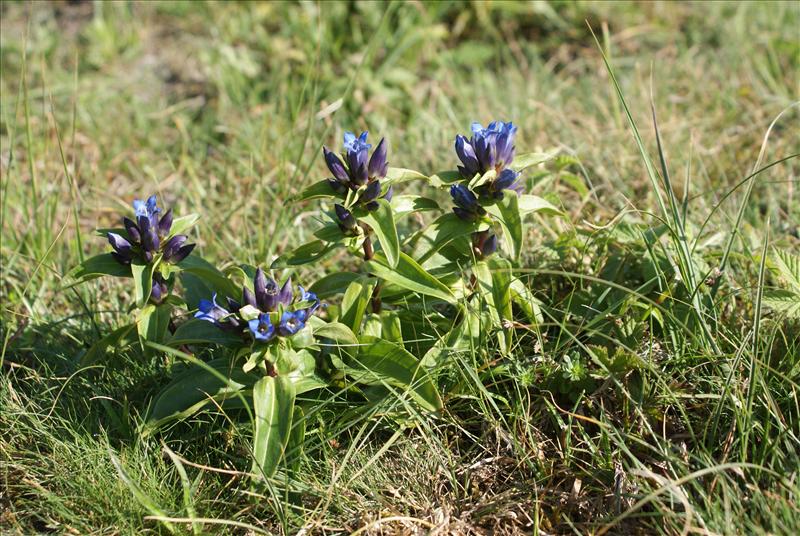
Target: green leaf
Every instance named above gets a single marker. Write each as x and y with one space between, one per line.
193 390
783 301
337 332
382 222
120 337
310 252
179 225
386 363
97 266
408 204
528 204
391 330
410 275
788 265
142 281
153 322
297 436
506 211
329 233
210 276
523 161
494 279
273 401
333 284
466 336
398 175
318 190
444 178
441 232
197 331
355 302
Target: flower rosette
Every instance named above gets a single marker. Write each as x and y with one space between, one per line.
269 320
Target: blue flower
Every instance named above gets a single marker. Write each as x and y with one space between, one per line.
308 297
291 323
467 207
261 327
159 290
148 209
488 148
356 168
149 235
210 311
507 180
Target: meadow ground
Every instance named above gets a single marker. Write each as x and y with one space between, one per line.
687 426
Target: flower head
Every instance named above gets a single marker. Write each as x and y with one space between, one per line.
467 207
506 180
356 169
488 148
292 322
149 235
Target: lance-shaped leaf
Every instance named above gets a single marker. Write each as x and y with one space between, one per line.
408 204
526 301
142 281
528 204
333 284
441 232
210 275
153 322
97 266
506 211
382 362
318 190
195 389
181 224
307 253
382 222
398 175
355 302
273 401
494 281
119 338
197 331
410 275
444 178
523 161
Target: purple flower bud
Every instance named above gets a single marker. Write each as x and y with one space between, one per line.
465 214
346 220
182 253
464 198
133 231
359 174
377 164
335 165
338 187
266 290
165 224
505 180
371 193
285 295
248 298
120 245
157 292
466 153
389 193
173 245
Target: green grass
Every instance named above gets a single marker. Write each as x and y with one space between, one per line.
222 110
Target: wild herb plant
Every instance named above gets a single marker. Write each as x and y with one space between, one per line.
445 287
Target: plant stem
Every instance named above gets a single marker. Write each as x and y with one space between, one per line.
369 253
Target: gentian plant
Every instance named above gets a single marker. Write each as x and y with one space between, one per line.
254 342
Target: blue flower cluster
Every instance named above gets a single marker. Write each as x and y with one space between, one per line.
148 235
490 148
356 169
272 303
